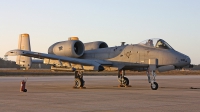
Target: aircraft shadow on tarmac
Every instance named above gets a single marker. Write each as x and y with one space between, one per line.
179 88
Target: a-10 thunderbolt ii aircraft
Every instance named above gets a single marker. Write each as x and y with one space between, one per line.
149 55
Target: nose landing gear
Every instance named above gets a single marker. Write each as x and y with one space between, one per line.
152 79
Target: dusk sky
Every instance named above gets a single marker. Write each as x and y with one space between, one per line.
112 21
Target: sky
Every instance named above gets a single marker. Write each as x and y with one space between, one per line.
112 21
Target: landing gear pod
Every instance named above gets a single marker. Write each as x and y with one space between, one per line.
22 86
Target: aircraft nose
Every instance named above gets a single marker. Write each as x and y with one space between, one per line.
188 60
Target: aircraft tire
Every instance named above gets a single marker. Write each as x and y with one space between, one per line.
126 81
79 82
82 82
154 86
25 90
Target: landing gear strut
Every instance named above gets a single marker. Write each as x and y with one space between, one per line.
79 82
124 81
152 79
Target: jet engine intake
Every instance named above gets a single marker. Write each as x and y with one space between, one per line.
70 48
95 45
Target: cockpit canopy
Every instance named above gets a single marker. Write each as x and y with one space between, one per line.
157 43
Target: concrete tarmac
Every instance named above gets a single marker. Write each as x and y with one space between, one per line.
55 94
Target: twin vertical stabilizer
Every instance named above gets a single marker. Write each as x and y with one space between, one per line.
24 44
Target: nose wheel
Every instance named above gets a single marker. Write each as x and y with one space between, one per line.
152 79
154 86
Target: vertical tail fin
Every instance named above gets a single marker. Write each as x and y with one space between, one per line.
24 44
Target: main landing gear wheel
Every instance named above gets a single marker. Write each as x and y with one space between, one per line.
125 81
154 86
79 82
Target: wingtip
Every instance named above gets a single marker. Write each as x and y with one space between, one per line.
11 53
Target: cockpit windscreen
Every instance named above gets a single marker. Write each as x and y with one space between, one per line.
157 43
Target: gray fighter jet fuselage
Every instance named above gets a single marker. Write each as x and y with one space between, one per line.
137 55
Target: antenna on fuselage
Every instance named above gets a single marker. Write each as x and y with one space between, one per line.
123 43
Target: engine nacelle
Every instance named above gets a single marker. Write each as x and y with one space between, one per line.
71 48
95 45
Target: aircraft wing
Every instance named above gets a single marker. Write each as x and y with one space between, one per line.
88 62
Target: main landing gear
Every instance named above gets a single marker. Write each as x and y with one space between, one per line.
79 82
124 81
152 79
